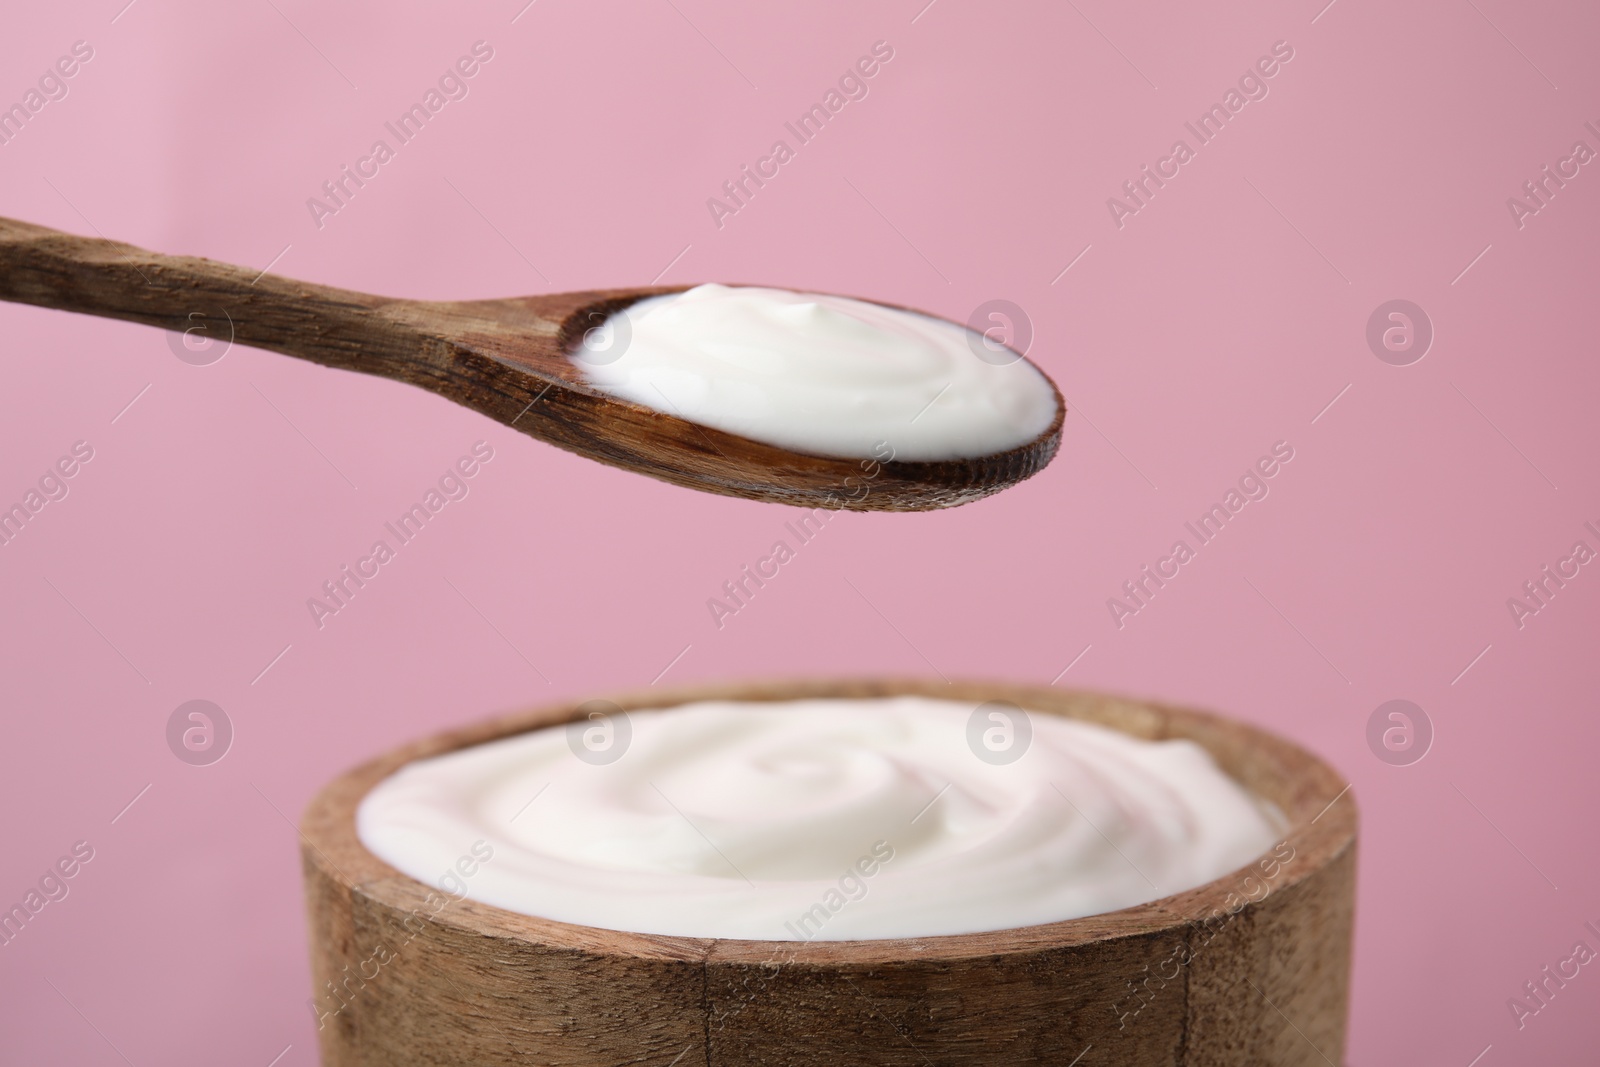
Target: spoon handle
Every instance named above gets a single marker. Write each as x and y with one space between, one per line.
336 327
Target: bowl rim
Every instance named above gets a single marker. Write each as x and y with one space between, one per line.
1316 802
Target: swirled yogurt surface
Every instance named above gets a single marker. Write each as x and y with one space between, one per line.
816 820
826 375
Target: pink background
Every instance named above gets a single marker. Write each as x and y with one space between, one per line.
1223 317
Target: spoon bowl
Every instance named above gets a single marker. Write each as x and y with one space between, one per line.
510 359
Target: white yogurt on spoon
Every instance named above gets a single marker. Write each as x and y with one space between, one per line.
819 819
826 375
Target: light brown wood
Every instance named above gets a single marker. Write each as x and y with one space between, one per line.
507 359
1252 969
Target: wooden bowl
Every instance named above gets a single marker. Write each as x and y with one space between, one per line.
1252 968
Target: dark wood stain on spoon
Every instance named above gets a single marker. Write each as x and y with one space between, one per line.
507 359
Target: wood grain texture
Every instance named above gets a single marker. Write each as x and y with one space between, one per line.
507 359
1250 969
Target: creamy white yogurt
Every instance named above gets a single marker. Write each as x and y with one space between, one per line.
818 820
826 375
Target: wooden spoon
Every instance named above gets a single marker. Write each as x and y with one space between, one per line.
508 359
